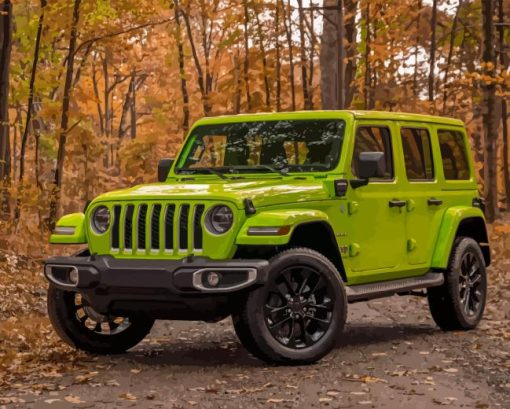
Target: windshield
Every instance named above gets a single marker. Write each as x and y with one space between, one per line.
266 146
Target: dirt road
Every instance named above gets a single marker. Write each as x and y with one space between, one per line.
390 356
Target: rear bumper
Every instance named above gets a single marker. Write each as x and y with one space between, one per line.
168 286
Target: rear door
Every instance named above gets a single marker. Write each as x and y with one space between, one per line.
376 211
425 201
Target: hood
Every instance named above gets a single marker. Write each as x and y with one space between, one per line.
261 192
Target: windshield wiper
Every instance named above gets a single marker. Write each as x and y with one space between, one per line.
268 167
212 171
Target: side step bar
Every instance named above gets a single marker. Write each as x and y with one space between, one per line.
377 290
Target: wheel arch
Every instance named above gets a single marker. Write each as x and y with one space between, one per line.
460 222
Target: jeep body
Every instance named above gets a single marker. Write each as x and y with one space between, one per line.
382 199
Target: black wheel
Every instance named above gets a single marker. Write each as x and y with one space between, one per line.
78 324
296 317
459 303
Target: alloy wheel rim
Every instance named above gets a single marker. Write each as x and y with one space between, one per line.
470 285
96 322
298 310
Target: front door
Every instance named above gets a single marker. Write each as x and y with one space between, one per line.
377 211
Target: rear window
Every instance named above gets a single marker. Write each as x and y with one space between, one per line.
453 155
417 154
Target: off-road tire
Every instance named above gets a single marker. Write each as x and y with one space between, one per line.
250 322
62 314
445 303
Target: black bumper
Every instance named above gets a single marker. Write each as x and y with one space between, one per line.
162 288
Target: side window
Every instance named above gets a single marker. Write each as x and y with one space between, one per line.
453 155
417 153
373 139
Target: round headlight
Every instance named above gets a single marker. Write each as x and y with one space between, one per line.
219 219
100 219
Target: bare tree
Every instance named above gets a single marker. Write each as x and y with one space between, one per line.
246 65
503 60
30 105
450 55
490 121
182 74
328 56
433 45
287 23
304 81
5 53
64 123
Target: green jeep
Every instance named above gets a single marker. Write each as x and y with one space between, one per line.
279 220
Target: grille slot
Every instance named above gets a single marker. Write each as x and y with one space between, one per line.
197 227
183 227
128 228
116 227
169 227
157 227
156 214
142 220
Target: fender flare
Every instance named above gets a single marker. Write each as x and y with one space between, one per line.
76 221
450 223
278 218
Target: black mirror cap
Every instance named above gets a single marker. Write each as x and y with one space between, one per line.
164 167
371 165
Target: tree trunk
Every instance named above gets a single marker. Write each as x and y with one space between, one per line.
490 123
450 55
367 78
312 54
202 80
182 73
432 59
264 61
328 56
340 26
238 81
6 19
126 107
351 7
246 65
96 94
64 123
133 109
278 61
30 105
304 80
503 59
288 32
416 50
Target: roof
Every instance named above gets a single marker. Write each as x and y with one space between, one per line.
376 115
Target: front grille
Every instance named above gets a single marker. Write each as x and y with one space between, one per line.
168 228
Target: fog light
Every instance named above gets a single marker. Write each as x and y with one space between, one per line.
213 279
74 276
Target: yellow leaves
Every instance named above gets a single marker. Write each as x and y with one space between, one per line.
85 378
128 396
74 399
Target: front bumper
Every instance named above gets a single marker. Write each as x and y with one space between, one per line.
168 288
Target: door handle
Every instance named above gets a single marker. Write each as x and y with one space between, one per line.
434 202
397 203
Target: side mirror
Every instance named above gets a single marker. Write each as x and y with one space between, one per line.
370 165
164 167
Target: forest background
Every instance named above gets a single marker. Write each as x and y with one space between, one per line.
93 92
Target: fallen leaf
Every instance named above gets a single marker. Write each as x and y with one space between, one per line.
73 399
127 396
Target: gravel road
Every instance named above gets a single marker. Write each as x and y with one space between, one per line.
391 355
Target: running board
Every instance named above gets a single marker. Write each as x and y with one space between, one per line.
386 288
